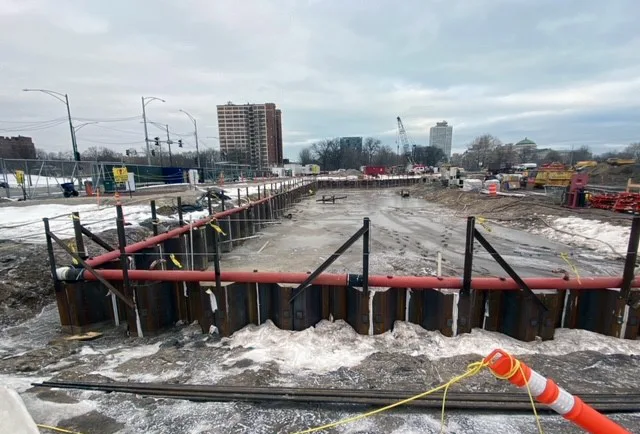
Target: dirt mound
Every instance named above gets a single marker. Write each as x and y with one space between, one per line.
607 174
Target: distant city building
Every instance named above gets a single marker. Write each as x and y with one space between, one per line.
525 145
440 136
251 134
17 147
351 142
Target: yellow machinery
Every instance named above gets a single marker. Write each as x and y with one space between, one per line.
620 161
584 164
554 175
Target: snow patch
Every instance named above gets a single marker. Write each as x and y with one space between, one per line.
329 346
593 234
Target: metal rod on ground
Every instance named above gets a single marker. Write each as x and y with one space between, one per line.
77 231
154 218
124 264
238 197
330 260
96 239
258 192
180 219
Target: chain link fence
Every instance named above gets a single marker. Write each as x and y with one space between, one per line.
47 178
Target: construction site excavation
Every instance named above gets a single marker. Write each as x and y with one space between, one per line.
311 304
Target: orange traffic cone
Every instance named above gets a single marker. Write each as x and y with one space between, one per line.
545 391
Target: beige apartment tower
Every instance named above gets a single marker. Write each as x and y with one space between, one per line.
251 134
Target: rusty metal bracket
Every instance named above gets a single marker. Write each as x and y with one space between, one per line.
81 261
510 271
330 260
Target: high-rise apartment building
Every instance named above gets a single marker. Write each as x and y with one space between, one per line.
351 143
251 134
440 136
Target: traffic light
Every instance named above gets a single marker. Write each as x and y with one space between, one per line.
153 152
157 140
128 153
179 143
77 156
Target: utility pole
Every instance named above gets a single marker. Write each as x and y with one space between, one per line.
195 126
145 101
59 96
169 142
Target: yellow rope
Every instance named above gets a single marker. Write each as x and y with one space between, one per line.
57 429
565 257
472 369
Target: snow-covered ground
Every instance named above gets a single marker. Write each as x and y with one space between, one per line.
605 238
24 223
330 354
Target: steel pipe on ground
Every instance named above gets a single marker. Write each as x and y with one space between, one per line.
426 282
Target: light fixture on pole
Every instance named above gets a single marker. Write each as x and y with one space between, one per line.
195 126
63 98
146 100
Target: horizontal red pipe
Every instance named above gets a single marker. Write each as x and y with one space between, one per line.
149 242
481 283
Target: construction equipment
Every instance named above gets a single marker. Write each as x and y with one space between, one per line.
452 176
576 198
553 175
620 161
408 149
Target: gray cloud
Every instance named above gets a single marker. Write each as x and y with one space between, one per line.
562 73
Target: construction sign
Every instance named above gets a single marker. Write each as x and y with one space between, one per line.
120 175
20 177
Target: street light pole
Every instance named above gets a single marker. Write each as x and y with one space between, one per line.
169 142
145 101
59 96
195 126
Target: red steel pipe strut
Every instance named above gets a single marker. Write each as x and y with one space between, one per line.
480 283
149 242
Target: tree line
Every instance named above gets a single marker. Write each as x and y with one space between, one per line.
488 152
333 154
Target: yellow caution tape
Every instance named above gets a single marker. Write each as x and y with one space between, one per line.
175 261
217 228
72 247
483 222
565 257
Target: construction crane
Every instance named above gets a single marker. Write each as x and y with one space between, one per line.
407 147
404 139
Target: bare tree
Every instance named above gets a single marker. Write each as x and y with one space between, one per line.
305 156
371 147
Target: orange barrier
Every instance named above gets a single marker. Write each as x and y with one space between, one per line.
545 391
493 189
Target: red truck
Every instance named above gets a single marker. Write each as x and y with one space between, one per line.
375 170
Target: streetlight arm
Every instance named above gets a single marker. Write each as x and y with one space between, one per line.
57 95
190 117
147 99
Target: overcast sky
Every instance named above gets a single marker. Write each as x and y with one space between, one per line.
561 72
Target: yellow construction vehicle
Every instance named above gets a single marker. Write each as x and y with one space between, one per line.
554 174
620 161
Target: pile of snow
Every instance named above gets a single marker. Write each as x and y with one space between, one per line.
605 238
14 415
331 345
24 223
